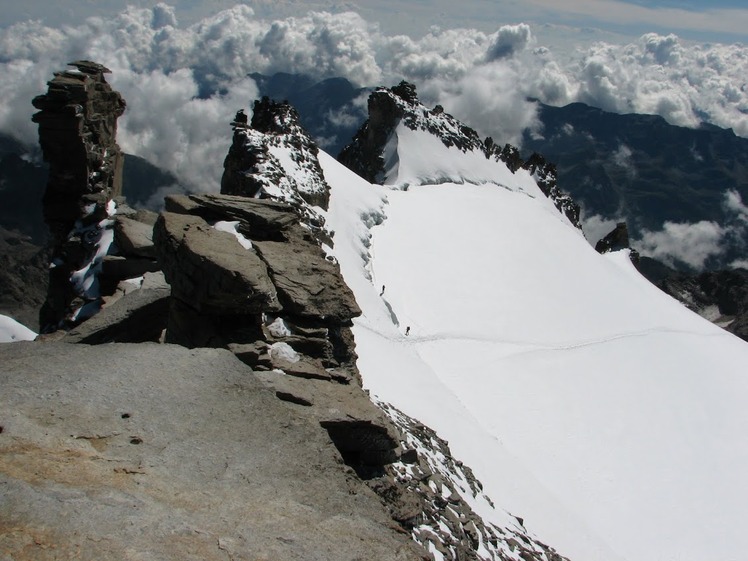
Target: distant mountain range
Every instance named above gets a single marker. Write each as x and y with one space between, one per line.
643 170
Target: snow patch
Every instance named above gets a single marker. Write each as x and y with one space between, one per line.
232 227
285 352
12 331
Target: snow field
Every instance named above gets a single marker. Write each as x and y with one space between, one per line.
603 412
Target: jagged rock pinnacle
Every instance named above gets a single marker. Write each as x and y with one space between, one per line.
77 128
260 153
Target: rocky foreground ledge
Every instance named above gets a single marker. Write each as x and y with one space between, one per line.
159 452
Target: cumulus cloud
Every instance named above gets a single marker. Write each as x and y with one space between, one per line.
183 84
691 244
509 40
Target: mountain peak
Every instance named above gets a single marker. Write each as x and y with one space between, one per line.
274 157
389 107
384 152
275 117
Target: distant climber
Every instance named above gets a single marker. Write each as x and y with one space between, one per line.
382 290
407 331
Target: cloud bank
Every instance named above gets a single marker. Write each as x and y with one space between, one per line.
183 84
694 244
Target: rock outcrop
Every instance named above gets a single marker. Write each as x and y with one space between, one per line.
616 240
274 157
247 276
77 131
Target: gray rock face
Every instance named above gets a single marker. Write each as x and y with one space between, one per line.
77 128
308 285
136 317
284 272
210 270
260 219
168 453
134 238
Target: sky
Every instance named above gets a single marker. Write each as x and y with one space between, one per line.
720 21
183 65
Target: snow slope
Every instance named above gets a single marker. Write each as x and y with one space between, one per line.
604 413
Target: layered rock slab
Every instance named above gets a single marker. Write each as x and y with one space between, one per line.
160 452
210 269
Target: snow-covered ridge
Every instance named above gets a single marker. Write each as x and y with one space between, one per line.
600 411
403 143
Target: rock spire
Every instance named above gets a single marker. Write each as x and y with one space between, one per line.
77 121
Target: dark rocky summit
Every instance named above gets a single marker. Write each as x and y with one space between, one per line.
261 151
77 131
400 104
616 240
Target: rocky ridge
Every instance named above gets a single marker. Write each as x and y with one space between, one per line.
389 107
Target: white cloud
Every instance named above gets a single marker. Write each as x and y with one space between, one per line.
510 39
168 74
691 244
734 205
622 158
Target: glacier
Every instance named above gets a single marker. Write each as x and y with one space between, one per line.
603 412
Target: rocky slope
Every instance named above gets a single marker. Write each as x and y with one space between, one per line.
160 452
